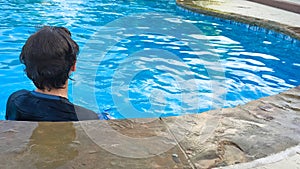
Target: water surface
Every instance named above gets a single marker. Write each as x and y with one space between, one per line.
253 62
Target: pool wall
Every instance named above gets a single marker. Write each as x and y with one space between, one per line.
268 24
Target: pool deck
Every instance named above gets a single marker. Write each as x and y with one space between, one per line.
250 12
263 134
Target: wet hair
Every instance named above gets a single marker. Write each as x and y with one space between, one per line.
48 56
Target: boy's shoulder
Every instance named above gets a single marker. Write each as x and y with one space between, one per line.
18 93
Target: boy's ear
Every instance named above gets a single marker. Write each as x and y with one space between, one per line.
73 68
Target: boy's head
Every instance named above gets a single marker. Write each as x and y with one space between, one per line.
49 56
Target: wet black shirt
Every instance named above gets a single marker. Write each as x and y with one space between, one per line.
25 105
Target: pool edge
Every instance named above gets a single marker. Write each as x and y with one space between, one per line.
292 31
248 134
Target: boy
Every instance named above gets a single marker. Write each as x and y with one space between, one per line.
49 56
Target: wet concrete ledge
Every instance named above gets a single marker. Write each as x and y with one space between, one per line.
212 139
194 6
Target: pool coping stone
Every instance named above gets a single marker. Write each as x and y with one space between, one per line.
226 137
204 7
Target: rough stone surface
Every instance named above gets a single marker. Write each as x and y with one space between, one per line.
244 133
213 139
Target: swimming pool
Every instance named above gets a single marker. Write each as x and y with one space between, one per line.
251 62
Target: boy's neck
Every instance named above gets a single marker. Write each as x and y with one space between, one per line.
57 92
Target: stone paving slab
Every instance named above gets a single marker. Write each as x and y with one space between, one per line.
291 162
289 158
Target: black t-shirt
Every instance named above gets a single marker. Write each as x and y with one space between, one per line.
25 105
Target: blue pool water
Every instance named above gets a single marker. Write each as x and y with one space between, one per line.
147 73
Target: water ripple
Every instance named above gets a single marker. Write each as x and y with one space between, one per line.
249 64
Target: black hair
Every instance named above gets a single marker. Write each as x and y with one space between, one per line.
48 56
